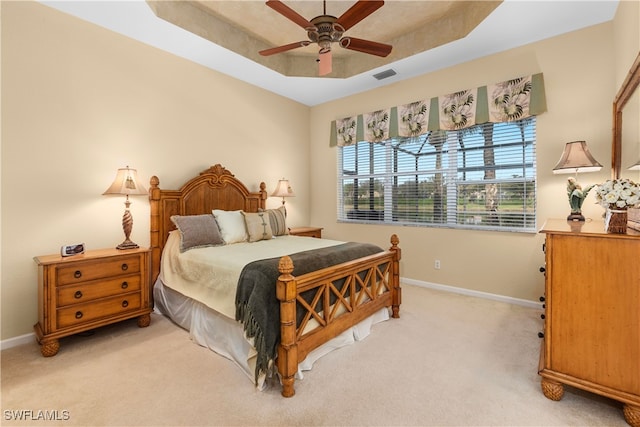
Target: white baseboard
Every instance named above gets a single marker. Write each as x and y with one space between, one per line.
470 292
16 341
27 338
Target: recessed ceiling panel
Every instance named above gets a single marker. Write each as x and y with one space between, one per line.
247 27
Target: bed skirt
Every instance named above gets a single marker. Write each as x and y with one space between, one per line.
225 336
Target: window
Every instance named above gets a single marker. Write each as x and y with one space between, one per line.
483 177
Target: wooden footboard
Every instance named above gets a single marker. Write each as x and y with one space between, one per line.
342 296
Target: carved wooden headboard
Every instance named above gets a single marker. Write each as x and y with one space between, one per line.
214 188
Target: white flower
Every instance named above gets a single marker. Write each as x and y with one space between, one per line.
618 193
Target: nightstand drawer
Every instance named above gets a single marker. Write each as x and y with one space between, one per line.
76 294
109 267
83 313
306 232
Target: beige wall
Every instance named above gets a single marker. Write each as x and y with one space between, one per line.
580 85
80 101
626 36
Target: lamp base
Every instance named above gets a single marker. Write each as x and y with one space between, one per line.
575 217
127 244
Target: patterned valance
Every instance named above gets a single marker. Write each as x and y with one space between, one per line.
511 100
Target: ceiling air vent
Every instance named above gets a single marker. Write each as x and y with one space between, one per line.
384 74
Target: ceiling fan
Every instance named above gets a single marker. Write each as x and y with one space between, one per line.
327 29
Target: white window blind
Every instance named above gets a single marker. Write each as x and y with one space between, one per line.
483 177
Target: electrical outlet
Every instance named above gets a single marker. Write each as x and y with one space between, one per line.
436 264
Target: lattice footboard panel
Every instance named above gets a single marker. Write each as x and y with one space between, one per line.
329 302
318 306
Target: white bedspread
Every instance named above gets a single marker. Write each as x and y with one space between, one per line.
210 275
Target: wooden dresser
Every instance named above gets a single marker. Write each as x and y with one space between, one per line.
592 313
90 290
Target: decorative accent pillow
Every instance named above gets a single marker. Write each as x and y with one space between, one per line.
258 227
231 224
197 231
277 219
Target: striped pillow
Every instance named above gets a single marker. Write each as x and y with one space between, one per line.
277 219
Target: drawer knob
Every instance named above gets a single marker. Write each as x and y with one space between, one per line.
77 295
124 285
77 274
124 267
79 315
125 303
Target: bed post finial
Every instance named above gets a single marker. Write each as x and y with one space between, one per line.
394 245
154 182
263 195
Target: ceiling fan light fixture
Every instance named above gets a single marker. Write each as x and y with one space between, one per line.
325 30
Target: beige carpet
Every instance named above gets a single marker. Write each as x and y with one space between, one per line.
450 360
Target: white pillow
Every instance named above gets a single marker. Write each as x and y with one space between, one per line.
231 225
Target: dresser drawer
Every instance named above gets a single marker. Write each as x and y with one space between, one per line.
108 267
83 313
77 294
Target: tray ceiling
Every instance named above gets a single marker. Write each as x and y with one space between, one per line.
230 46
246 27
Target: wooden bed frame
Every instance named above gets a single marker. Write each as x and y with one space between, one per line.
361 287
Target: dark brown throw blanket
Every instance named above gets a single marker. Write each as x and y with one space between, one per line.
257 307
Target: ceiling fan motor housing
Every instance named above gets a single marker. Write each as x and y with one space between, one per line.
325 31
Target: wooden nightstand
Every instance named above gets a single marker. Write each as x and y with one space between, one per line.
86 291
306 231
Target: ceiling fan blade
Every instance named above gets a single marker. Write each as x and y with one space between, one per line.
324 63
366 46
284 48
289 13
358 12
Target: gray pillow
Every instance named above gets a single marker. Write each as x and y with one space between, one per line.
197 231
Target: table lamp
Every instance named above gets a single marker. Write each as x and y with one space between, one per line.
126 183
575 158
283 190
